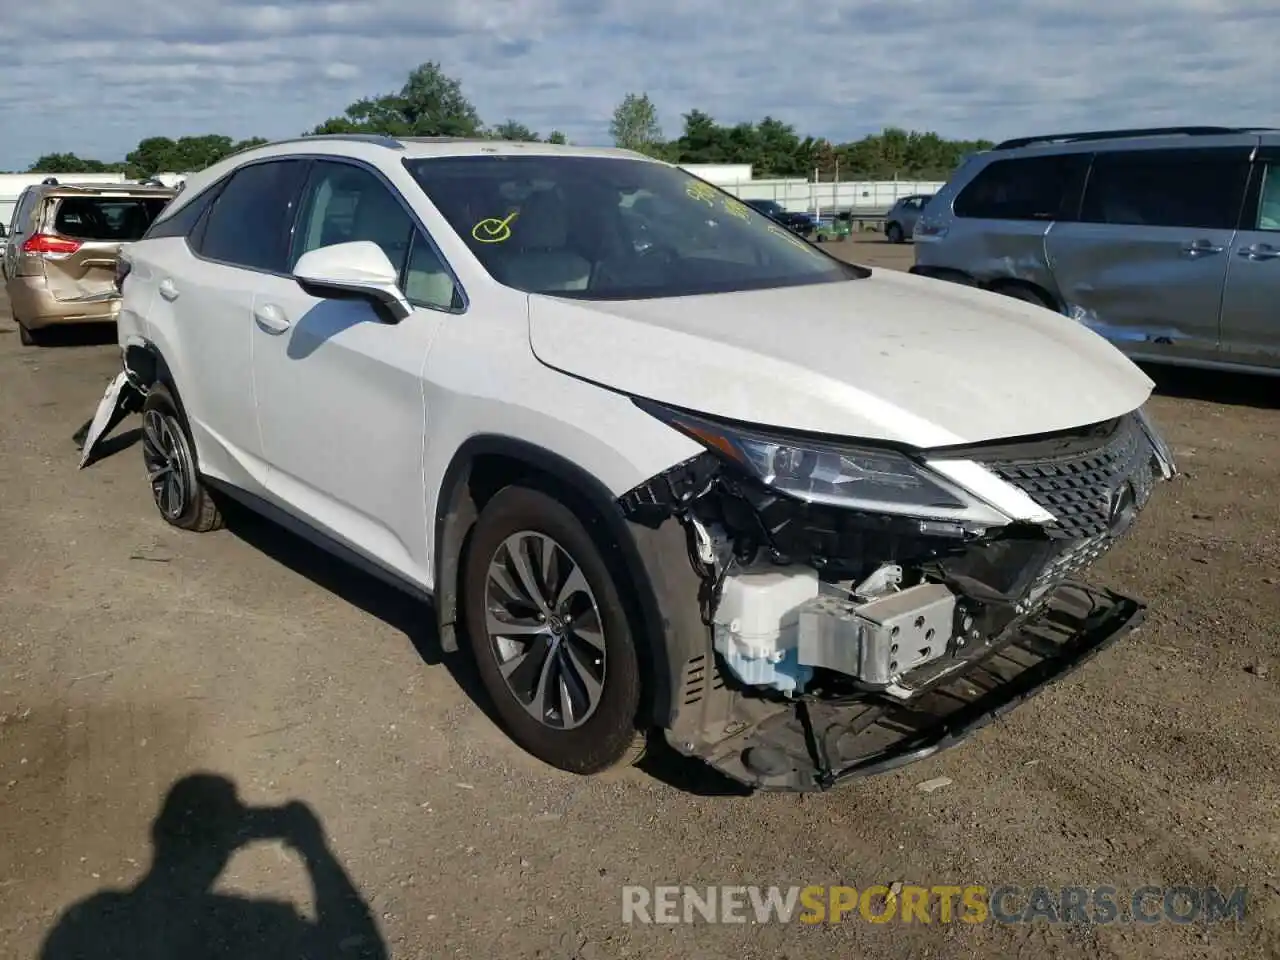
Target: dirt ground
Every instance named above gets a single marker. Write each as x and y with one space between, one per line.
133 655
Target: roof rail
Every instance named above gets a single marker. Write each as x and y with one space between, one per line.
377 139
1122 134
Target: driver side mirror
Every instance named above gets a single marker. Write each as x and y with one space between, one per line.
360 268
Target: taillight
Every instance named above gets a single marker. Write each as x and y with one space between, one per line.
47 243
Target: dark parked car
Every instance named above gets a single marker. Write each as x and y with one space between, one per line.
801 223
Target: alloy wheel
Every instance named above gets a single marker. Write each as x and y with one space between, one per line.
545 630
168 464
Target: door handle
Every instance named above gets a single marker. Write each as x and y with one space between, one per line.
1200 248
271 318
168 289
1260 251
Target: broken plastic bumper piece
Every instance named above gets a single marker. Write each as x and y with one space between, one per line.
121 399
813 744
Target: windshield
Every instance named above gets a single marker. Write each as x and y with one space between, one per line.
604 228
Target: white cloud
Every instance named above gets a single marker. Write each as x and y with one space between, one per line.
95 85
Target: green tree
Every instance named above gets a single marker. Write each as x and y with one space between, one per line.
430 104
511 130
635 124
70 163
184 155
555 136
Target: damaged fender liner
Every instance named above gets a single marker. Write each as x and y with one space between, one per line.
814 745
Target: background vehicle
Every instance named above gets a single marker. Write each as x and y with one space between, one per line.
801 224
4 242
1165 241
900 221
636 470
60 264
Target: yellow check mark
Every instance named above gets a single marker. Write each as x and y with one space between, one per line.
493 230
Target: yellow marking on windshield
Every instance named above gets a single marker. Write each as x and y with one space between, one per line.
788 235
697 190
493 230
736 208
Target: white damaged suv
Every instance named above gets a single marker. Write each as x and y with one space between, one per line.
659 463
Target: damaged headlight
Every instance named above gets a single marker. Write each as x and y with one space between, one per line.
856 478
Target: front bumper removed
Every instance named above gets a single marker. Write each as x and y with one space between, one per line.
813 744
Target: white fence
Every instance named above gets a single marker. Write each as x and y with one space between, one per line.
861 196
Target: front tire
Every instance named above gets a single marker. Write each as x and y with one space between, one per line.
550 634
169 456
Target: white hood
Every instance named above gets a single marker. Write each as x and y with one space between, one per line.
894 357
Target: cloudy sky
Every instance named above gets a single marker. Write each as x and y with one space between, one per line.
82 79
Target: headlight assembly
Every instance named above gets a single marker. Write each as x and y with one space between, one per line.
856 478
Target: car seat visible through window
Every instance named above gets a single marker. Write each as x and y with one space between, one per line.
540 257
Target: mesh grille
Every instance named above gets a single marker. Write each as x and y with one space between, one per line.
1079 488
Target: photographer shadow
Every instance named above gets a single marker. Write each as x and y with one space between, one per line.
173 911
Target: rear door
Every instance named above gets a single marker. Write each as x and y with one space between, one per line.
1146 261
87 232
1251 300
201 317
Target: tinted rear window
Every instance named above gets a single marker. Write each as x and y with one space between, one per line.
1025 188
118 219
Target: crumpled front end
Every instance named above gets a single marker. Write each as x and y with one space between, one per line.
845 634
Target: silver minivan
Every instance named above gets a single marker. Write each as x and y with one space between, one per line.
900 221
1165 241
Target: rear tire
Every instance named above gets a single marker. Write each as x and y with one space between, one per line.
28 337
893 233
564 676
168 454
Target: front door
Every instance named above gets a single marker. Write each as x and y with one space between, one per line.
339 384
1251 301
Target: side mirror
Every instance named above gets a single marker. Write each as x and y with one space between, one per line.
359 267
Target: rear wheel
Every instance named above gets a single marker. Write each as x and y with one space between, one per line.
169 456
893 233
550 634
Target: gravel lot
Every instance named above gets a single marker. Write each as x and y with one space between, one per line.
132 655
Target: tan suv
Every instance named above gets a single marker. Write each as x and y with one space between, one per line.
60 262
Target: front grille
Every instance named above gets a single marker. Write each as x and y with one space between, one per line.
1080 487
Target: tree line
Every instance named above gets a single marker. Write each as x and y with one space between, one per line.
432 104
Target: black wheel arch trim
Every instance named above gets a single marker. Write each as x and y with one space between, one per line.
146 367
646 560
953 275
950 274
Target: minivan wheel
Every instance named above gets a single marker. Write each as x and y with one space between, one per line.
1024 294
550 634
169 456
893 233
